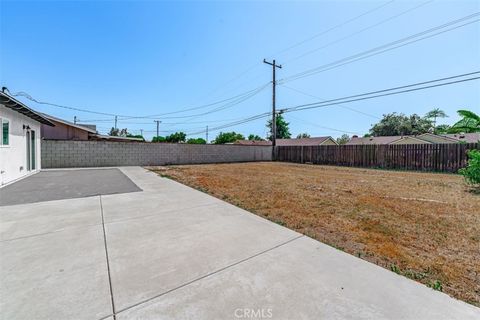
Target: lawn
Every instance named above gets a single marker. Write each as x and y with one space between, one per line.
425 226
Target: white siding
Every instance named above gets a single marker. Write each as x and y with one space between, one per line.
13 162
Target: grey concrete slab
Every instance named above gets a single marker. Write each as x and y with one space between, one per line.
151 255
33 219
175 253
303 279
141 204
66 184
60 275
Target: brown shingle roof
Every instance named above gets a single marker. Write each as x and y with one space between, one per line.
467 137
373 140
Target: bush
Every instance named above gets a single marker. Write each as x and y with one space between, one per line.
196 141
228 137
472 172
159 139
176 137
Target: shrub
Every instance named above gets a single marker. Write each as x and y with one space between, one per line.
176 137
196 141
159 139
228 137
472 172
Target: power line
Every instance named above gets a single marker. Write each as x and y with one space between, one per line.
242 97
249 119
360 31
29 97
230 104
380 93
239 96
164 123
334 27
359 98
340 105
383 48
253 66
323 127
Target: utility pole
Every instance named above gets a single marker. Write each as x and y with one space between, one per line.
115 122
158 123
206 134
141 132
274 120
75 120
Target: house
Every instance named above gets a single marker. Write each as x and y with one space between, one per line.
19 139
451 137
66 130
426 138
316 141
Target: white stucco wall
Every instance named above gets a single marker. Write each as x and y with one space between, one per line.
13 159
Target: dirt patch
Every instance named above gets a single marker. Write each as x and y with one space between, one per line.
425 226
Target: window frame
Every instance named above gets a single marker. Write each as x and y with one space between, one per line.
7 120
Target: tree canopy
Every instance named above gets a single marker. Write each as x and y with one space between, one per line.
396 124
283 131
176 137
158 139
115 132
196 141
434 114
228 137
254 137
303 135
469 123
343 139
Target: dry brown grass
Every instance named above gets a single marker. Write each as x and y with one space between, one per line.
423 225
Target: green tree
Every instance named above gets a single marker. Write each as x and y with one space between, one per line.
434 114
158 139
343 139
254 137
442 128
196 141
283 132
303 135
469 123
228 137
394 124
176 137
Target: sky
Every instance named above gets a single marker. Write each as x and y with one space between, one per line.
147 59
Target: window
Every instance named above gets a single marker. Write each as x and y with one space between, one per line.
5 132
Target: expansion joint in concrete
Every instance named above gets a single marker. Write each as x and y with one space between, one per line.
108 261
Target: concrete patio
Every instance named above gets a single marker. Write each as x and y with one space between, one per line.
164 250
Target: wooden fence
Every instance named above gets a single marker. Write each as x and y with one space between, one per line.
423 157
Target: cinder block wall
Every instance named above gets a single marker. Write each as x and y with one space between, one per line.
70 154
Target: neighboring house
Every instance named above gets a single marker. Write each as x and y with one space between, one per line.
19 139
66 130
316 141
451 137
426 138
115 138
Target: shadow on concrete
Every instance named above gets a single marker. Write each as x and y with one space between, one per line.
66 184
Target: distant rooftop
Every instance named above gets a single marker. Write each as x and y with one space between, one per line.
315 141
